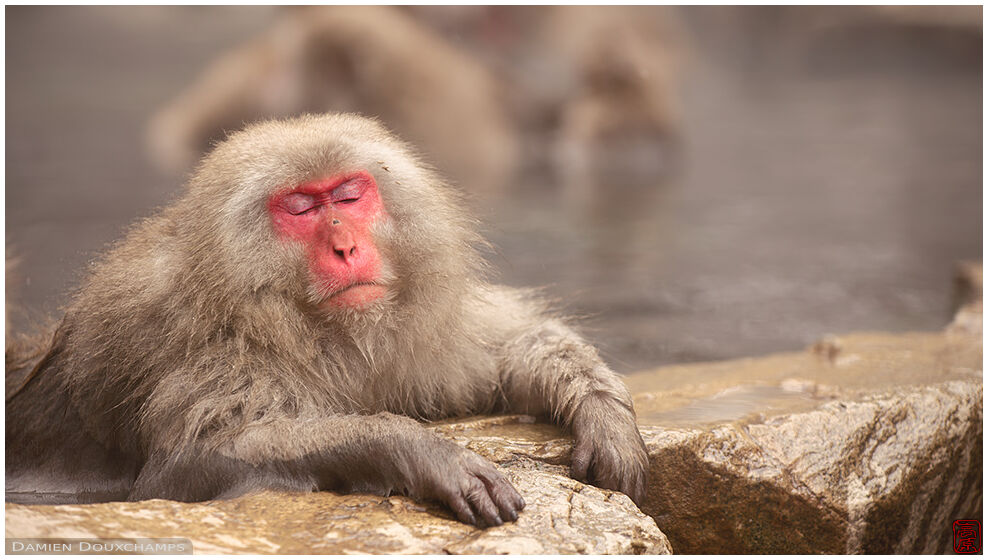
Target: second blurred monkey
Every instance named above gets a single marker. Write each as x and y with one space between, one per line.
369 59
482 89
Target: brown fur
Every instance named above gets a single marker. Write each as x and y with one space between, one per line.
195 363
373 59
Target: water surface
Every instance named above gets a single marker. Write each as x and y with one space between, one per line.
832 177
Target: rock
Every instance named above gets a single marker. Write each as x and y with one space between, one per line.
884 474
562 516
866 443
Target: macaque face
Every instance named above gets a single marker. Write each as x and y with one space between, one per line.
332 218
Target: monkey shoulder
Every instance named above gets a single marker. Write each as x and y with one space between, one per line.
506 310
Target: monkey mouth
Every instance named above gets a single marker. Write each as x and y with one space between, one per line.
356 295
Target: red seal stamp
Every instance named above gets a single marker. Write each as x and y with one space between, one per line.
967 536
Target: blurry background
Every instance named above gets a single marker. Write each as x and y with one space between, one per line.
697 183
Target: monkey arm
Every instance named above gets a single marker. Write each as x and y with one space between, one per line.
549 369
546 368
381 453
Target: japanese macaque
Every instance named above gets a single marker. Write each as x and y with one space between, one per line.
313 292
595 86
483 91
621 112
375 60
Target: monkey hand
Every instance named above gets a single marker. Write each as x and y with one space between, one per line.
608 450
469 484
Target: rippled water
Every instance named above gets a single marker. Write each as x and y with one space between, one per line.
831 182
832 176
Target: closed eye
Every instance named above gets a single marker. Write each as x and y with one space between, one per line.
299 203
347 193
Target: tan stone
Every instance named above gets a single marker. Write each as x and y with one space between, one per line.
883 474
865 443
562 516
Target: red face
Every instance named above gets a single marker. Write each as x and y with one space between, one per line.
332 218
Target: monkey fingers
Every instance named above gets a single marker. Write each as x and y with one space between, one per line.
508 500
461 508
476 494
620 469
469 499
487 492
582 454
610 455
611 466
473 488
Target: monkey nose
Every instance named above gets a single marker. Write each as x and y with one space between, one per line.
344 252
344 247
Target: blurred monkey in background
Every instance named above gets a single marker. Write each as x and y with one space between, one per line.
484 90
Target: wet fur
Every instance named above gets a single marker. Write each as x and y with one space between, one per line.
193 363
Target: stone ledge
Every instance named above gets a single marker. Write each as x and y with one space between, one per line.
886 473
865 443
562 516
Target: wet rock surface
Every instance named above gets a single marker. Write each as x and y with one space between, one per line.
864 443
880 473
884 474
562 516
